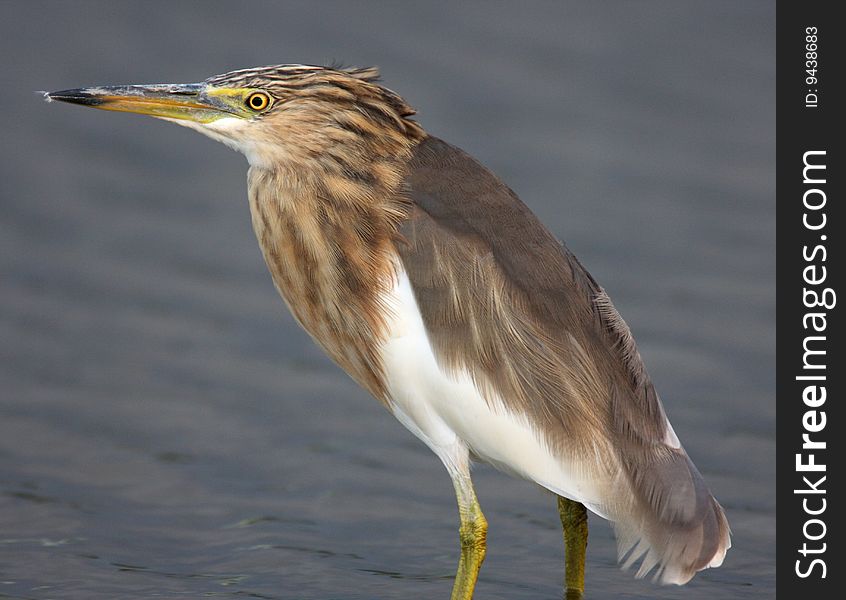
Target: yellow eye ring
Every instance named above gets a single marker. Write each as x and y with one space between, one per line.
257 101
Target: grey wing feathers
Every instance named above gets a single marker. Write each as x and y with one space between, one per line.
502 298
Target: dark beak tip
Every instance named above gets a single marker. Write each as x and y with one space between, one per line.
76 96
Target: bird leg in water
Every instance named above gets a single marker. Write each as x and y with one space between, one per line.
574 521
473 533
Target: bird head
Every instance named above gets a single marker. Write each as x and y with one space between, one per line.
281 115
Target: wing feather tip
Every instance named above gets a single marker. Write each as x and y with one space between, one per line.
666 559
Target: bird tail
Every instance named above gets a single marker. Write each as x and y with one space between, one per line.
671 522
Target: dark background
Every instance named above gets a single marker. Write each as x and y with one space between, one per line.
803 570
165 428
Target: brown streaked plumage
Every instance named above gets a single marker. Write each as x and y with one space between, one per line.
328 233
428 280
330 264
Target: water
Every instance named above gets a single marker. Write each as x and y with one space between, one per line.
167 431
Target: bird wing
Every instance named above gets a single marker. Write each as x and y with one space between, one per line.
505 301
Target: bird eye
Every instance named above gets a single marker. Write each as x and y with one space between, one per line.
258 101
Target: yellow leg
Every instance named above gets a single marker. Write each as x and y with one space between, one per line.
574 521
473 534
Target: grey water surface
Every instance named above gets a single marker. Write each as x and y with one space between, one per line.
166 430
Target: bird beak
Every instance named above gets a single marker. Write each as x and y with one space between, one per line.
187 102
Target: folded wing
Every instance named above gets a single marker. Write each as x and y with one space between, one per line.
502 299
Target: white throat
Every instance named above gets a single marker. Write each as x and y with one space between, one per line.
232 132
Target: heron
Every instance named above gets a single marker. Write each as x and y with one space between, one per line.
425 277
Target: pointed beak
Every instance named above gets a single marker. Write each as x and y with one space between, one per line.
168 101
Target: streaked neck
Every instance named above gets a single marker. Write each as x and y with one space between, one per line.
329 239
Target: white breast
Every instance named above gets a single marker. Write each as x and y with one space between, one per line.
447 412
